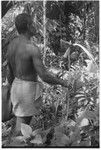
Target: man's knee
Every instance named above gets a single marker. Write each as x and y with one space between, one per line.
25 120
19 120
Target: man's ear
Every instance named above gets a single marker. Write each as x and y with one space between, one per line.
31 29
28 26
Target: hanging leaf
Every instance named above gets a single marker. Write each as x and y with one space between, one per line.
80 95
26 130
85 50
81 99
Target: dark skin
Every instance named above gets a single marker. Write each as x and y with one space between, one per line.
25 62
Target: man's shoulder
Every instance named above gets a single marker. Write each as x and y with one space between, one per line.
33 48
12 42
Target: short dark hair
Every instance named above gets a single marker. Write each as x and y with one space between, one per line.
22 21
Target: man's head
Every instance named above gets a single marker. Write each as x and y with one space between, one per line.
23 23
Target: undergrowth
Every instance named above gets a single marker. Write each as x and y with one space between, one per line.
68 117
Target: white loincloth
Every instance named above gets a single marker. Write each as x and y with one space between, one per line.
26 97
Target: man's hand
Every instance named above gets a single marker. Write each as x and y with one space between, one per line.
65 83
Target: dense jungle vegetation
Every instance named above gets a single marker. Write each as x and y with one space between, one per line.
69 117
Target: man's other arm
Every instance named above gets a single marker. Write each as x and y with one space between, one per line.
10 75
41 70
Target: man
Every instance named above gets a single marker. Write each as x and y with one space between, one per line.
24 65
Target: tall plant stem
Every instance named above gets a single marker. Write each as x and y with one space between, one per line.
44 29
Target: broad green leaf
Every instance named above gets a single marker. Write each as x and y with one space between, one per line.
36 132
37 140
26 130
84 122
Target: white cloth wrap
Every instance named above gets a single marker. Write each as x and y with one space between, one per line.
26 97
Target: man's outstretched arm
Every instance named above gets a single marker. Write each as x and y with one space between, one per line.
41 70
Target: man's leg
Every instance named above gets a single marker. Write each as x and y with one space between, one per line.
19 120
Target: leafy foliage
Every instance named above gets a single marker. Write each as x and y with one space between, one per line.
68 117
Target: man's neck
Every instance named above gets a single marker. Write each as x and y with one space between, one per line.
25 36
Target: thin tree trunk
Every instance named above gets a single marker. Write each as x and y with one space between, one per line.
44 25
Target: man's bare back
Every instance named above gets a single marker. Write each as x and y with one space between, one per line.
21 60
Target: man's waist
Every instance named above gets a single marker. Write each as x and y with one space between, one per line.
27 78
25 84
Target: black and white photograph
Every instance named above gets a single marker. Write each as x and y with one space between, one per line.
50 74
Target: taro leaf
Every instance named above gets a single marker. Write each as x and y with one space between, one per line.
37 140
26 130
